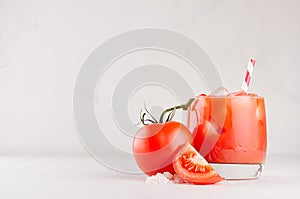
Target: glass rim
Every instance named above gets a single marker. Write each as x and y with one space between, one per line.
230 96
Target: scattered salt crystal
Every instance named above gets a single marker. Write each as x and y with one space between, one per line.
168 175
179 180
165 178
160 179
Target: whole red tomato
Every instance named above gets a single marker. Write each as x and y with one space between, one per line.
155 145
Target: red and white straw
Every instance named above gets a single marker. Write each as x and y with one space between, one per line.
248 76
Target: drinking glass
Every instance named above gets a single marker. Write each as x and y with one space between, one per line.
230 132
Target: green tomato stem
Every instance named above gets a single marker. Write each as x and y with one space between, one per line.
173 109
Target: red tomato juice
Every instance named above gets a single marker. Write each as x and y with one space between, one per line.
229 129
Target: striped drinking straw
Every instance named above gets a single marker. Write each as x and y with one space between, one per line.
248 76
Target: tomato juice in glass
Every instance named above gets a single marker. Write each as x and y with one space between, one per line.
230 132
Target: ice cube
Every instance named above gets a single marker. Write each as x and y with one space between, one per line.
242 93
237 93
252 94
220 92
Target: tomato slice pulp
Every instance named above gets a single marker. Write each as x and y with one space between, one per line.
191 166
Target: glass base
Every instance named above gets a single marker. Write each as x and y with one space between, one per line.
238 171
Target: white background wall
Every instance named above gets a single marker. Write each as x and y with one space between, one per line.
44 43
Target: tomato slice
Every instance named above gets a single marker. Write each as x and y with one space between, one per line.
205 138
191 166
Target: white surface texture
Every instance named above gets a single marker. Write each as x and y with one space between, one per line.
75 177
44 43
